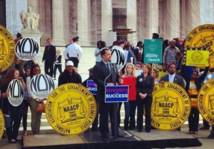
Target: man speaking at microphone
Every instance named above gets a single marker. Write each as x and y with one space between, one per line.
105 73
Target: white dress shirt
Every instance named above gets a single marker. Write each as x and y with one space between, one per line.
74 50
171 77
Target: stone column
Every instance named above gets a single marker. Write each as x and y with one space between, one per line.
190 12
184 19
152 17
58 22
13 10
132 19
141 19
83 17
106 22
193 13
173 18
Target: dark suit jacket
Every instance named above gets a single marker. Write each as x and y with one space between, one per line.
145 85
178 80
102 76
49 54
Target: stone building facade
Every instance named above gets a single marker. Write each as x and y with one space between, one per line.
94 20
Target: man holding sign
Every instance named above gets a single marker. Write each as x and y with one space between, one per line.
106 74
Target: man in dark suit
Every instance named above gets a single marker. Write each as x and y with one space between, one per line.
106 73
172 77
49 57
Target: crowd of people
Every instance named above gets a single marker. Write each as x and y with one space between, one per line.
141 78
121 63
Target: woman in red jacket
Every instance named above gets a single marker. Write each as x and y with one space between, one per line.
128 78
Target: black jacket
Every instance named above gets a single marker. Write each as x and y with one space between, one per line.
145 85
199 81
102 76
66 77
49 54
178 80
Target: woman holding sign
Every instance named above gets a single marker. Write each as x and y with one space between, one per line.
12 87
129 79
145 84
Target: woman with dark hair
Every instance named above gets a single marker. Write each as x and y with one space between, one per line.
193 94
11 113
35 115
138 51
145 84
100 44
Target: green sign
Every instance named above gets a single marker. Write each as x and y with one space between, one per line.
153 51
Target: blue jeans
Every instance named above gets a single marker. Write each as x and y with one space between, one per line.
12 122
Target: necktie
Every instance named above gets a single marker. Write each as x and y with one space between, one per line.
108 67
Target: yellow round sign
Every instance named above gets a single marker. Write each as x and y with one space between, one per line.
70 109
1 124
7 45
201 38
206 101
170 106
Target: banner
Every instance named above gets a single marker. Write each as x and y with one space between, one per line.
198 58
92 86
153 51
116 93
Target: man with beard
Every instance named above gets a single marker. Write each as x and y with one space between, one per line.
173 77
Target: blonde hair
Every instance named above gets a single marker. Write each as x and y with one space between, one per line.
133 69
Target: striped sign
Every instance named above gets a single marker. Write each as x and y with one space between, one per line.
16 93
118 57
27 49
41 85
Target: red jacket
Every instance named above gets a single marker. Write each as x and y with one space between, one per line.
131 82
